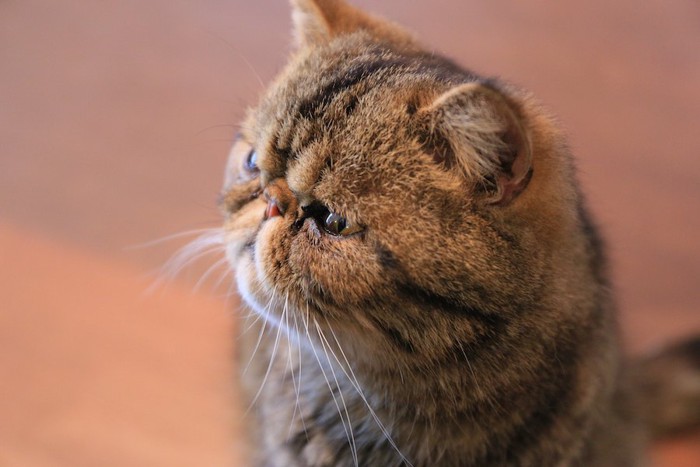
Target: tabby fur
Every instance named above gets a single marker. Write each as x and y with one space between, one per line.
470 322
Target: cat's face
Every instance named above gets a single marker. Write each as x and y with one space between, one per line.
347 206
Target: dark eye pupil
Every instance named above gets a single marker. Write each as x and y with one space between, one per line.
251 162
334 224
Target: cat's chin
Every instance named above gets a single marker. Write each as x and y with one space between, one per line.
269 305
253 291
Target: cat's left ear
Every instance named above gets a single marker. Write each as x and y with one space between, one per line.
318 21
479 130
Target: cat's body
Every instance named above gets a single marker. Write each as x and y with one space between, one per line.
432 289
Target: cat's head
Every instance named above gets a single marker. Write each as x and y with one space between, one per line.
381 192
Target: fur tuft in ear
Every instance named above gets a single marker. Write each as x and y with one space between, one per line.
479 130
318 21
313 20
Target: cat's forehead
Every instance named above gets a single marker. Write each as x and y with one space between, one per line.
329 86
344 98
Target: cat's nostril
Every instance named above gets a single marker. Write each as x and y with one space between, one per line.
278 199
273 209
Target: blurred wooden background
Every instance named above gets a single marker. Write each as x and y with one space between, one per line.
115 121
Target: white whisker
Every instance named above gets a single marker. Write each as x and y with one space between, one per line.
355 383
298 384
262 331
325 377
222 276
269 366
290 365
167 238
212 240
208 272
351 439
476 381
240 54
256 318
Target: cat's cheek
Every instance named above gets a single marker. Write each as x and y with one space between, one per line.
245 281
344 268
241 229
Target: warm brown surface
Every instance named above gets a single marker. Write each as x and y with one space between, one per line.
110 136
96 372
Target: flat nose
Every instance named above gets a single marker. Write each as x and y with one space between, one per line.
280 199
273 210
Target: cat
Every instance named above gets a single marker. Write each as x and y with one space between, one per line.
429 287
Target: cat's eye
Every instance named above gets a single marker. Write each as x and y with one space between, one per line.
340 226
242 165
251 162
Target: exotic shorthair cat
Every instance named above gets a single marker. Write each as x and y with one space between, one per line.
430 290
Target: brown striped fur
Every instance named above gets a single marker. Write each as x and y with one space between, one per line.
470 322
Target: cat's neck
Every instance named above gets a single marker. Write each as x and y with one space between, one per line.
406 407
450 403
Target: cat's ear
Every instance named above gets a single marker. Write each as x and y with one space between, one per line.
477 129
318 21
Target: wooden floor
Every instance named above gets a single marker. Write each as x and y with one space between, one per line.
115 120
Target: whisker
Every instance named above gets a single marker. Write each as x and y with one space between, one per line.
210 240
240 54
208 272
351 439
257 317
257 344
476 381
230 140
170 271
223 125
166 238
269 368
355 383
290 365
298 386
229 290
325 377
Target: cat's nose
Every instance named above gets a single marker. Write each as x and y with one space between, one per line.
273 210
279 198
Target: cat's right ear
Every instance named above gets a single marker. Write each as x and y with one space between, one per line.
317 21
477 129
313 20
